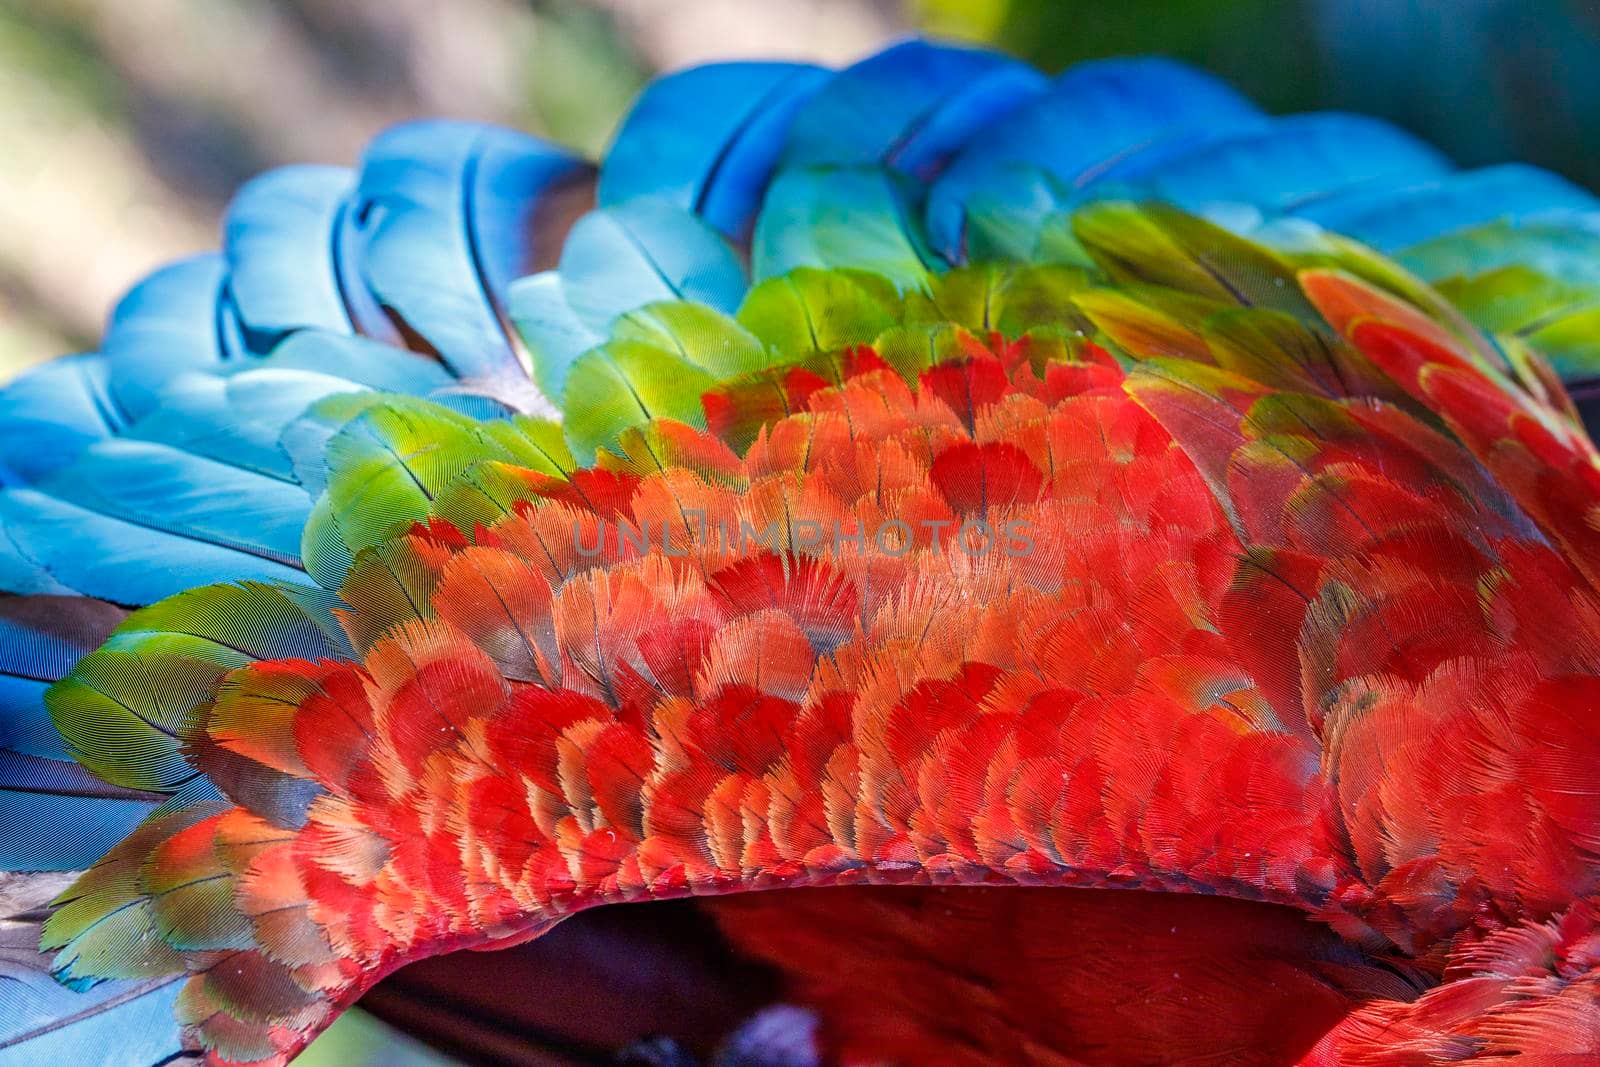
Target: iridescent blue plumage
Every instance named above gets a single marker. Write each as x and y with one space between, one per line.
1392 217
181 318
706 139
53 411
445 213
41 638
282 239
1087 119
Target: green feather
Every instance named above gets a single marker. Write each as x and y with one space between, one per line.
1145 321
1557 318
914 347
1571 342
534 444
628 383
1157 244
814 311
388 585
1569 253
128 707
658 363
1280 350
105 925
385 467
701 335
1011 299
483 494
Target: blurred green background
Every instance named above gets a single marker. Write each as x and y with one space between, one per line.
126 125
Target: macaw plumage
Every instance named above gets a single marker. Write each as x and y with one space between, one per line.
1064 571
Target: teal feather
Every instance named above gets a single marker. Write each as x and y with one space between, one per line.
619 258
825 217
550 330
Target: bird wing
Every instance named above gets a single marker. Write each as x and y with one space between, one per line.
241 424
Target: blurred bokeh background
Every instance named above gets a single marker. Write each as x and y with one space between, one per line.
125 125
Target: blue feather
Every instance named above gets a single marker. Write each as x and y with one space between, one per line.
879 107
1277 165
41 637
963 115
114 1024
621 258
40 795
20 572
1393 218
1092 114
359 360
706 140
50 413
514 178
280 238
41 789
173 321
446 210
119 560
163 488
31 837
551 332
366 312
24 726
238 420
